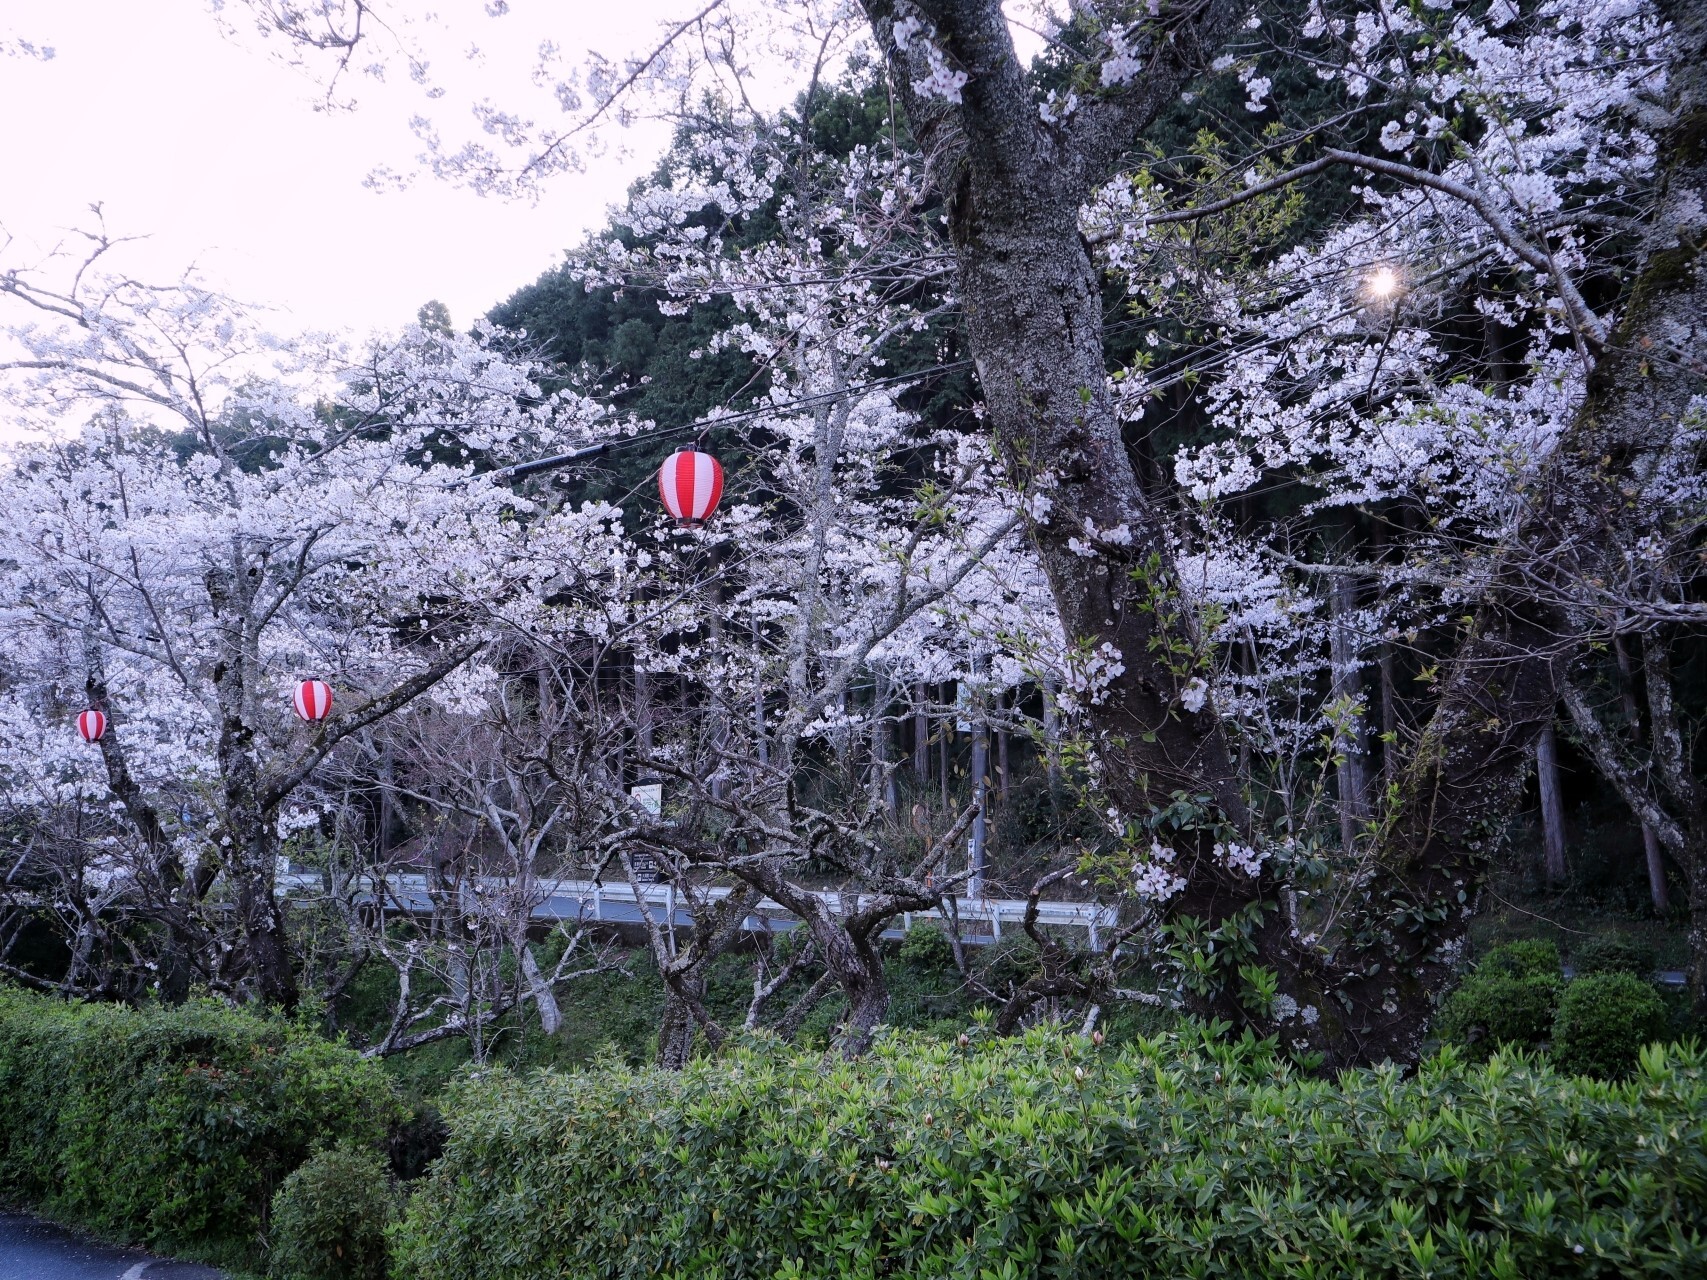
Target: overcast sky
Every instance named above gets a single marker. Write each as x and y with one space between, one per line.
217 155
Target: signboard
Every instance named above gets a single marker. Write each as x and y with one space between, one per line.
650 797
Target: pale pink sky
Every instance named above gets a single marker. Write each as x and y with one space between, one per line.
218 156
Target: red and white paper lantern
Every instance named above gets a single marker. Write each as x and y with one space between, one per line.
91 724
313 700
690 482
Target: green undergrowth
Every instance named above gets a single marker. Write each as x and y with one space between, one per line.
1517 996
330 1217
1576 922
1176 1156
172 1127
614 1015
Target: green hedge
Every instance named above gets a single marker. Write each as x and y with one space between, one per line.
1510 1000
171 1126
1613 954
1044 1156
330 1218
1529 958
1604 1020
1491 1010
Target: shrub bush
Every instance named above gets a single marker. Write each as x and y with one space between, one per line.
171 1126
1043 1156
1511 998
1532 958
330 1217
1493 1009
1612 954
927 947
1603 1023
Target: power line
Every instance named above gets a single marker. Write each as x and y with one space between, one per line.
806 402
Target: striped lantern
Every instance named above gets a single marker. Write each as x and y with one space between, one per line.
313 700
91 724
690 482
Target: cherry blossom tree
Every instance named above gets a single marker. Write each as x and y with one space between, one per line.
994 155
861 553
238 514
495 763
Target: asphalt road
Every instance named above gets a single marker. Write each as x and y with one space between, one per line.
33 1250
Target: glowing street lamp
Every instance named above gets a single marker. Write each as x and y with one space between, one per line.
1382 284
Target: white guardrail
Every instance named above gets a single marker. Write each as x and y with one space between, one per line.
590 901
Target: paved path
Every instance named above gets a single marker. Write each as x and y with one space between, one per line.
34 1250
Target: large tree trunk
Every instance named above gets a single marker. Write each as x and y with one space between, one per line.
1365 992
1032 300
686 969
1034 312
544 999
676 1030
1033 307
847 941
248 835
858 966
